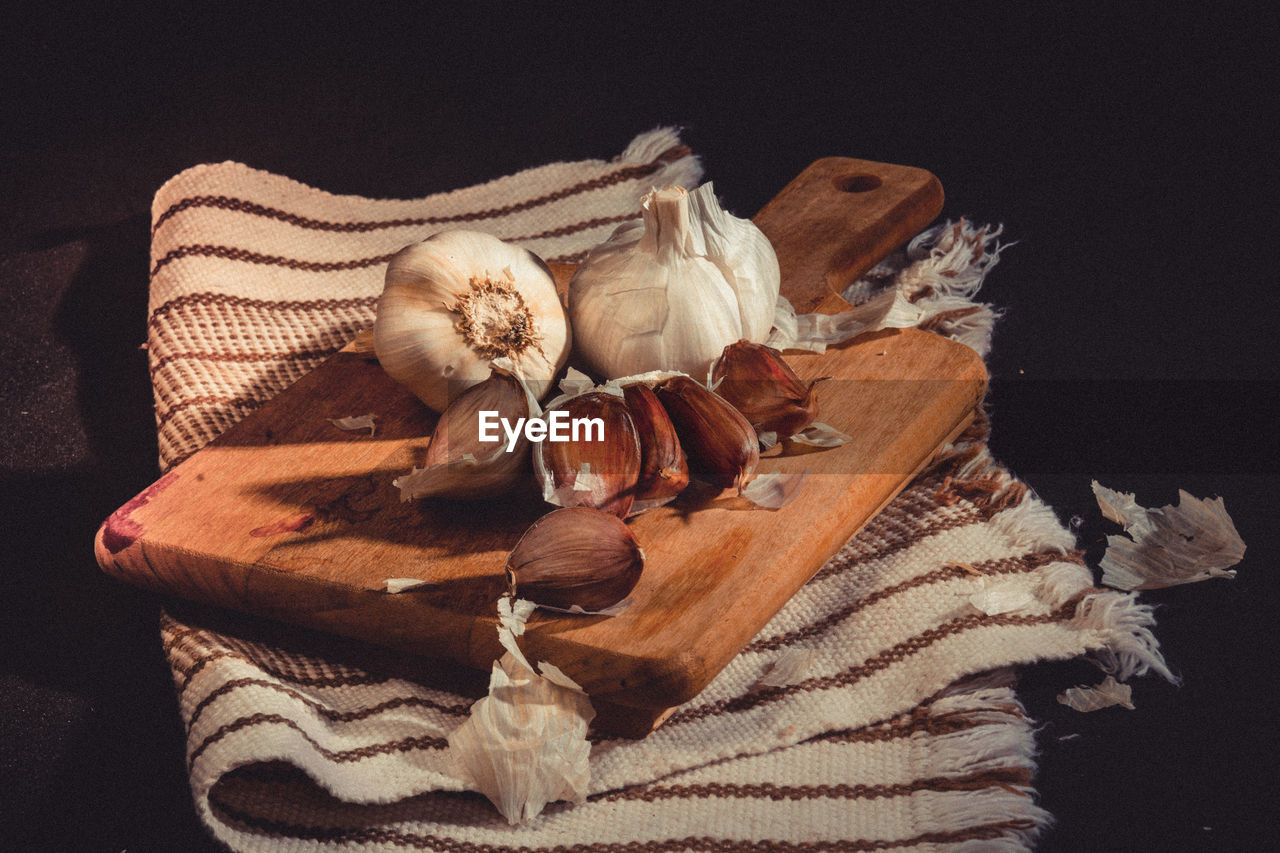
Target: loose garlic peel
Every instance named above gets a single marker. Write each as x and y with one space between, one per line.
525 744
1193 541
460 299
670 292
1105 695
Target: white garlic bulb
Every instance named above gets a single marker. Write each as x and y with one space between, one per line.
671 291
460 299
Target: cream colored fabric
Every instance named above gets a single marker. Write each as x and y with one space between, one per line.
901 730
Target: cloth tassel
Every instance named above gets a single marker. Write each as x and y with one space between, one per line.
1128 647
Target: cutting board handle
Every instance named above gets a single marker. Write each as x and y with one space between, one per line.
857 211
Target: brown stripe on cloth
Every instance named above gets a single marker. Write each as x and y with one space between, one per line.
1003 777
296 669
909 726
270 377
272 371
270 374
895 654
1007 778
319 680
271 305
241 206
923 719
235 253
567 230
911 517
222 202
306 329
322 818
340 756
239 357
247 404
320 708
279 829
1003 566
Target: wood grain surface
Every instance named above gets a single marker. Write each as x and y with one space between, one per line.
289 517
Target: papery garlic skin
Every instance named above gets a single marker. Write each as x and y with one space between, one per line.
454 302
525 745
670 292
745 255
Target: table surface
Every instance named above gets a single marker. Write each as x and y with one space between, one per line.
1124 154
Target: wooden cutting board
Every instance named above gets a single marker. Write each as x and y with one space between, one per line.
287 516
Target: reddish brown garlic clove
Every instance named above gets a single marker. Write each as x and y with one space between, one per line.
575 557
599 465
721 444
761 385
458 464
664 470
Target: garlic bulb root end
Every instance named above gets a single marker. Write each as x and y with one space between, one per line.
493 318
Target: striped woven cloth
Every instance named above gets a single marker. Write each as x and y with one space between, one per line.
899 727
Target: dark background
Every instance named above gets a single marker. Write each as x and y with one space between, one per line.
1131 156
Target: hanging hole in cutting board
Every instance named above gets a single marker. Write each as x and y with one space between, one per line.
858 183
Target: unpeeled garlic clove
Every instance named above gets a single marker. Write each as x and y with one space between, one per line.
664 469
599 466
575 557
458 464
761 385
721 444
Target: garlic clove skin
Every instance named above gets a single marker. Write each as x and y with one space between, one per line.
460 299
721 444
761 385
458 465
599 467
670 292
575 557
746 257
664 469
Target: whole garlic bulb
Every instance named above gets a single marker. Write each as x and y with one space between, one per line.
671 291
460 299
